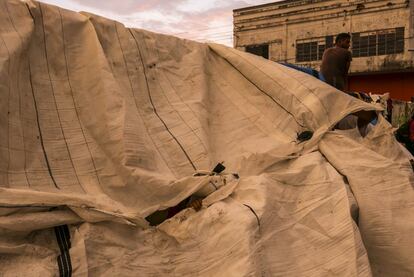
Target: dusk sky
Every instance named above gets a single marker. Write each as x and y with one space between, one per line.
201 20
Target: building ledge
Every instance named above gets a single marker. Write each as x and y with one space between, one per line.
389 71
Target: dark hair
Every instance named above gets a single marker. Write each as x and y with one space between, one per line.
342 36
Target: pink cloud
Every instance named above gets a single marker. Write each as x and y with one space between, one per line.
125 7
179 17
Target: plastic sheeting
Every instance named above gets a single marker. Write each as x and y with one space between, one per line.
102 125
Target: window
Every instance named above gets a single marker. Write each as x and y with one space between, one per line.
382 42
321 49
364 44
390 43
313 51
329 41
372 45
307 51
356 42
259 50
399 40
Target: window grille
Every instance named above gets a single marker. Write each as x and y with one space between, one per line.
259 50
364 44
381 42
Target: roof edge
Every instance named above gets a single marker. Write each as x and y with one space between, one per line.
265 5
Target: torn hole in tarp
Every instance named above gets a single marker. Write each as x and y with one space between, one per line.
304 136
217 180
219 168
363 120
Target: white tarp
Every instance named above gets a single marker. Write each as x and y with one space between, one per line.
102 125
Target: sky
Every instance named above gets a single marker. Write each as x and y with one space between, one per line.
201 20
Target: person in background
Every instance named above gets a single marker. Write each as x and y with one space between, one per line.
334 71
405 134
389 110
411 131
336 62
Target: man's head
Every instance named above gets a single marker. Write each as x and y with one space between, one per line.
343 40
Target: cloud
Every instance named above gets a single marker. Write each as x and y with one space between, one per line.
125 7
193 19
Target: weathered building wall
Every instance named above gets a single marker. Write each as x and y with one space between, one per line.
283 25
411 32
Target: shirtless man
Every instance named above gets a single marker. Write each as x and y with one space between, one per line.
336 61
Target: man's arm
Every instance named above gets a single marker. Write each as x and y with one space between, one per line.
348 61
411 130
347 66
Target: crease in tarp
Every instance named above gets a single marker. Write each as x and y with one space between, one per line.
321 130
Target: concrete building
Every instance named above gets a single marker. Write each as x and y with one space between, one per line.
298 31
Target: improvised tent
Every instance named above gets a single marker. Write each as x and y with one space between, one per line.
102 125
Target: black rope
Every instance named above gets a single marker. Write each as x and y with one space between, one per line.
64 262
